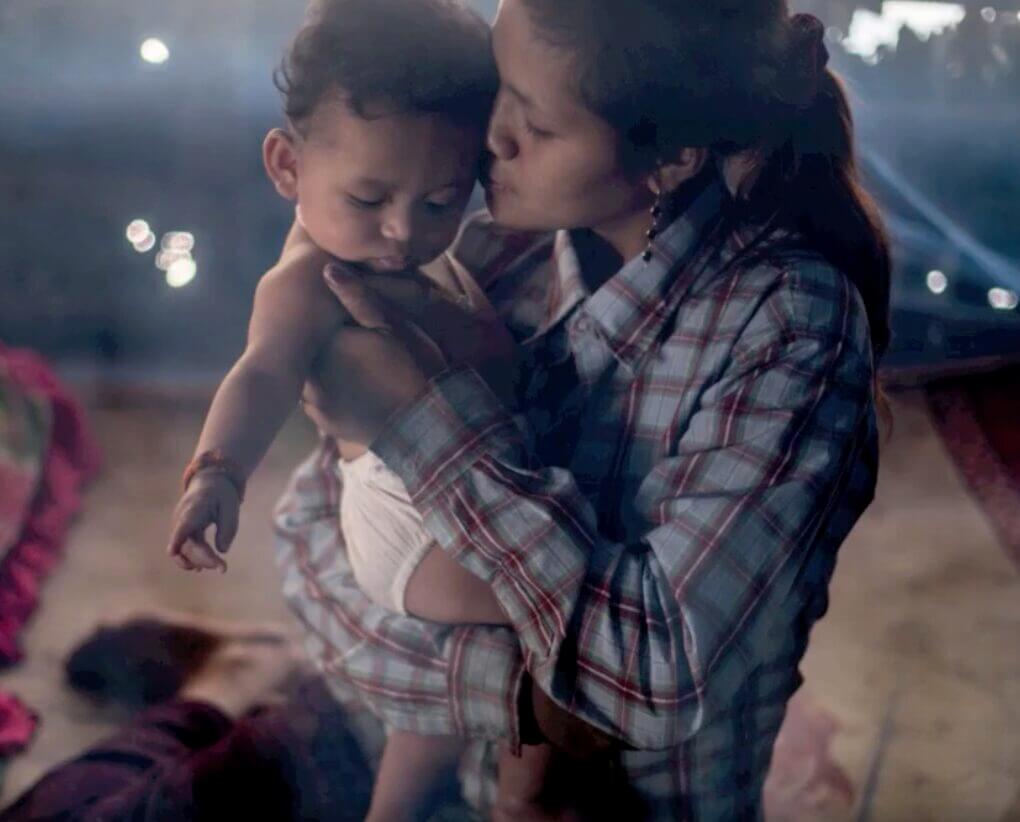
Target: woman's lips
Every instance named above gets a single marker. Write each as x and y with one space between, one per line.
495 188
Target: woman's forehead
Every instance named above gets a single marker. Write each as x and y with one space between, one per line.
540 75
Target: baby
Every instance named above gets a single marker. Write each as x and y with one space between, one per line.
387 103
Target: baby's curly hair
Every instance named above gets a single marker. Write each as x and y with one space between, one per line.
404 56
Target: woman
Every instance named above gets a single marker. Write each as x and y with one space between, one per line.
699 432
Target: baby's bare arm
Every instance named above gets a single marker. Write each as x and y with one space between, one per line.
442 590
293 315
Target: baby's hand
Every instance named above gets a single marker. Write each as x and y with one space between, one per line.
211 499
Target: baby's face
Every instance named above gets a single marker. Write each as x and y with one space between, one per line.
388 193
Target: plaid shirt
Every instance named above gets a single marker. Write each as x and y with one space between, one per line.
697 439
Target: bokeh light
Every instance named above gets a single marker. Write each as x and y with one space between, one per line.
1004 299
154 51
178 241
181 272
137 231
166 258
147 243
937 282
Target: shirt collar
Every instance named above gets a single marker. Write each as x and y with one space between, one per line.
566 285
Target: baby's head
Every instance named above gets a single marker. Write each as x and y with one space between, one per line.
387 103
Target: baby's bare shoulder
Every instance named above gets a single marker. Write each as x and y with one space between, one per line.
299 271
292 296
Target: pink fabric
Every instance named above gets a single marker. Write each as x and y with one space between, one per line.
976 417
68 459
17 724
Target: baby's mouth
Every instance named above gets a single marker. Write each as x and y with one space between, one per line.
393 263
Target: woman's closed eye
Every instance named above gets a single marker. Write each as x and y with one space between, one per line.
536 132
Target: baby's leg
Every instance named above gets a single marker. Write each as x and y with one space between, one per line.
442 590
522 780
411 768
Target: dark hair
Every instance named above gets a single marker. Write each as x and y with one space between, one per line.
417 56
734 75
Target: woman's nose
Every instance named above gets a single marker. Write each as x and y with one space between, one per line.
499 139
502 145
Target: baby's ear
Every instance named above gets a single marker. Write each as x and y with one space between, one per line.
279 155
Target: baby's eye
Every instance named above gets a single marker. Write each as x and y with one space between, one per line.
440 205
443 199
359 202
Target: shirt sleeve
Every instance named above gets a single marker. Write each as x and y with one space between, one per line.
414 675
649 640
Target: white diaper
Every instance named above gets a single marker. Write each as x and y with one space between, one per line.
383 531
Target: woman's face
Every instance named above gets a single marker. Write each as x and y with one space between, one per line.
555 163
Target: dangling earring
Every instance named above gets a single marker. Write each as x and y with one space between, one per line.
653 232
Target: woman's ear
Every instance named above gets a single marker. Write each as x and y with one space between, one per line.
279 155
669 176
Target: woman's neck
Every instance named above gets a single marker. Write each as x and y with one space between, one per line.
741 171
628 234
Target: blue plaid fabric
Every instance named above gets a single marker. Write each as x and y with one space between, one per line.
696 438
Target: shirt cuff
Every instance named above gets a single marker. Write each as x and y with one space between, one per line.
486 676
434 439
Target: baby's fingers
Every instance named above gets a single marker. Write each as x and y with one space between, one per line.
190 522
226 527
200 555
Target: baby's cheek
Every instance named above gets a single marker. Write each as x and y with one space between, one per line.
440 238
354 237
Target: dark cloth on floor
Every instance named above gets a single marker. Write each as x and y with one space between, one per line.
188 761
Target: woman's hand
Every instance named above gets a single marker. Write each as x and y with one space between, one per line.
387 360
543 721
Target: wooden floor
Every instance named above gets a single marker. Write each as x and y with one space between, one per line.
911 707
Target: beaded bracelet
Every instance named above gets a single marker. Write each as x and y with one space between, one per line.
215 462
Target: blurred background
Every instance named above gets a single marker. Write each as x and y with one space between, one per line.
135 220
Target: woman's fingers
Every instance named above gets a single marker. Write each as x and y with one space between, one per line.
372 312
428 353
365 307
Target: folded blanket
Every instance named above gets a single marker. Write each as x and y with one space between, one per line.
977 418
46 454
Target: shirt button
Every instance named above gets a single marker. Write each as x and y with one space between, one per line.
583 325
